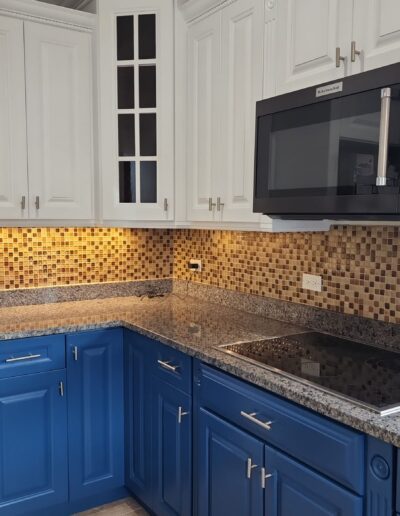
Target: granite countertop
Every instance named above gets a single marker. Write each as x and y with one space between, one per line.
195 327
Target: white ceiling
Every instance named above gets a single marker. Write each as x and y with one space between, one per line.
72 4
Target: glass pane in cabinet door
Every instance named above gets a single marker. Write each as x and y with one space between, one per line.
147 36
126 135
127 181
148 181
124 38
148 134
147 86
126 87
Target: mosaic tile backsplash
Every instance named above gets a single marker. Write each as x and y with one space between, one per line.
360 266
43 257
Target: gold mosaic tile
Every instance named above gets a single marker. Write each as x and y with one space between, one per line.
360 266
41 257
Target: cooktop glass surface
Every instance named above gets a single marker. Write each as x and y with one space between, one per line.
370 376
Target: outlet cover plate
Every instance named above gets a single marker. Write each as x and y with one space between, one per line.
312 282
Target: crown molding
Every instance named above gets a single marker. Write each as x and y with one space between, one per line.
192 9
33 9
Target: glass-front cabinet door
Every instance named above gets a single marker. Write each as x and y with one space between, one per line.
136 105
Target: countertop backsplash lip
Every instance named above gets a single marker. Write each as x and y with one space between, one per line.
65 293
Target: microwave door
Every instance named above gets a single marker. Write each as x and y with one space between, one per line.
326 158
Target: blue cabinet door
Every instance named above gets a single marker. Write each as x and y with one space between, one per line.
137 415
228 470
171 422
95 410
294 490
33 443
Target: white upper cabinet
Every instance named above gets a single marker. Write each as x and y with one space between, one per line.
242 86
60 119
376 33
137 109
225 79
204 113
308 34
13 159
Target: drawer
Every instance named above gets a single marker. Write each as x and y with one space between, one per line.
173 366
329 447
34 355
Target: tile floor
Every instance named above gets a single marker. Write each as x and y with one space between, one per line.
125 507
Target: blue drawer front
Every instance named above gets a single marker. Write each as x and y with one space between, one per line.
328 447
33 355
172 366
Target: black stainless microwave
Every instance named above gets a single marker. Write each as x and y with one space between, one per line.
331 151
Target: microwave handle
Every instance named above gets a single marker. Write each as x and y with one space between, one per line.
383 137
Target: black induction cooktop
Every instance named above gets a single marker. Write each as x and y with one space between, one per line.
364 374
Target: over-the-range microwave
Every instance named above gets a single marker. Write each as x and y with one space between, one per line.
331 151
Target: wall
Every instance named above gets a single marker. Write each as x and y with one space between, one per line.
42 257
360 266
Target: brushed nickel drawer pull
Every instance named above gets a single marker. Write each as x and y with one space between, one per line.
264 477
251 417
181 413
61 388
75 353
21 359
250 467
168 366
339 57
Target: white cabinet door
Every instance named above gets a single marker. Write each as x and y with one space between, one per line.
376 33
59 121
13 160
308 33
204 116
242 86
136 40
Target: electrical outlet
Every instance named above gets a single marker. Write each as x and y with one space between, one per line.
312 282
194 265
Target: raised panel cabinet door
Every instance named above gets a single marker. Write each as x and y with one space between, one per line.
242 79
137 415
95 412
33 443
228 469
171 435
292 489
13 151
376 33
204 117
60 122
308 33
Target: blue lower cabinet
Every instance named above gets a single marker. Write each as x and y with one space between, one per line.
171 435
292 489
229 464
33 437
137 416
96 412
